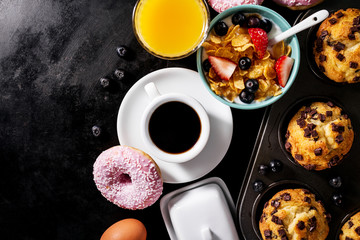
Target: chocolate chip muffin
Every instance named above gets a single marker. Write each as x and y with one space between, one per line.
337 46
351 229
319 136
294 214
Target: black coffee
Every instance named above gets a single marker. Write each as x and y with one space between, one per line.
174 127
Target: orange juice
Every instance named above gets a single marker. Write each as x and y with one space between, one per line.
171 28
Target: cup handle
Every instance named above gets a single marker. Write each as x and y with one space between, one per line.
151 90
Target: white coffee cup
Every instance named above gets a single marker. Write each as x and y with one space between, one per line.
157 100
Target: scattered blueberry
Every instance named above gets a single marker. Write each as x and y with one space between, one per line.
206 65
244 63
275 165
335 182
238 19
258 186
221 28
337 199
105 82
252 85
122 51
253 22
263 169
246 96
96 131
120 74
266 24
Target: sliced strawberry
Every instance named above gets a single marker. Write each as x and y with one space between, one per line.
283 67
223 67
260 40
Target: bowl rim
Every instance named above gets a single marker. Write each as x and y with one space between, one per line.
294 51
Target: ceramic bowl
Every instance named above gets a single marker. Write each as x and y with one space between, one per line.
292 41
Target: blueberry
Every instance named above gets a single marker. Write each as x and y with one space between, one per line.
96 131
263 169
246 96
337 199
252 85
238 19
266 24
206 65
244 63
122 51
258 186
120 74
335 182
105 82
275 165
253 22
221 28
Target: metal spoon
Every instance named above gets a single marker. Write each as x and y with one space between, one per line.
306 23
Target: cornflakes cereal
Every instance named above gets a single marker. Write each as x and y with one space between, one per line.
234 45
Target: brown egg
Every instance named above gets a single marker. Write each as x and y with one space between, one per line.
126 229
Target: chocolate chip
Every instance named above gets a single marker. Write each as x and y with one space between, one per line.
340 56
329 113
299 157
287 135
303 115
314 133
322 58
330 104
339 14
357 230
307 132
330 43
267 234
276 220
337 128
356 79
322 117
356 21
288 146
311 126
266 204
332 21
339 138
354 65
307 109
307 199
301 122
305 191
354 29
313 112
350 223
275 203
351 36
286 196
323 34
339 46
300 225
318 151
273 212
282 234
312 224
334 161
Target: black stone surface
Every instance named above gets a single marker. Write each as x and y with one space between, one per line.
52 55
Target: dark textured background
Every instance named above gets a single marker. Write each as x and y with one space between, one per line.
52 54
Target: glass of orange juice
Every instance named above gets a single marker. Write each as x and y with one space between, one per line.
171 29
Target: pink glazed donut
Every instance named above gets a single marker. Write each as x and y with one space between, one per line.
298 4
128 177
222 5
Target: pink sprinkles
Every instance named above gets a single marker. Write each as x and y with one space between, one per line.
127 177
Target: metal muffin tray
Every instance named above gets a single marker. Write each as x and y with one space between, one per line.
310 85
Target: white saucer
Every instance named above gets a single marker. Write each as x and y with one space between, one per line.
183 81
